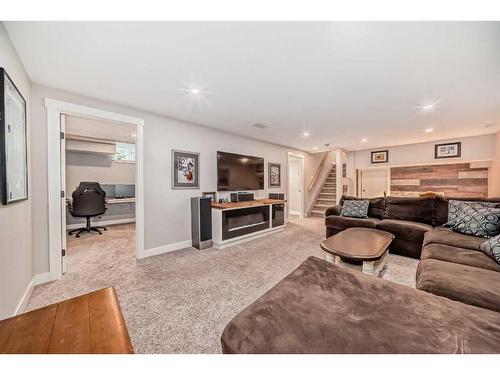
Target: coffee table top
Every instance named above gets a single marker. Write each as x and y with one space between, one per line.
358 243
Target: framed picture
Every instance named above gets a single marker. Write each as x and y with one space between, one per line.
380 156
185 170
211 194
13 142
448 150
274 174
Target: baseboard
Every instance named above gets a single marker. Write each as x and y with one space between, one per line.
166 249
38 279
102 223
41 278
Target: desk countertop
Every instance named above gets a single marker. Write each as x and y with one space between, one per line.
254 203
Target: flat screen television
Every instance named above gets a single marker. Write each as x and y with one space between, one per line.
239 172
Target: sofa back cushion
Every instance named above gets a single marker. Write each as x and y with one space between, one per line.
420 209
441 207
375 208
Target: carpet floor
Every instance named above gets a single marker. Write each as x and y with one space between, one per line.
181 301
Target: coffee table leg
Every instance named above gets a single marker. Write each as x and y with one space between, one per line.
330 258
368 268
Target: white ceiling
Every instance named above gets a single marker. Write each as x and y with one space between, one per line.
342 81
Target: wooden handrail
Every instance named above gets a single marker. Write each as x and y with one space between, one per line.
318 171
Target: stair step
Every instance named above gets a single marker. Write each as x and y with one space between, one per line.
328 191
321 206
326 194
318 213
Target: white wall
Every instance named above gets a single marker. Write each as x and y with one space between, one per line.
166 211
494 175
480 148
16 260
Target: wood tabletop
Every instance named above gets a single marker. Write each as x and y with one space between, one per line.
358 243
88 324
254 203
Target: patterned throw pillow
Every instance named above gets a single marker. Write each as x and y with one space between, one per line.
478 221
456 209
357 208
492 248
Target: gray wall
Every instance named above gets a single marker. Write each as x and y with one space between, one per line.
16 259
166 211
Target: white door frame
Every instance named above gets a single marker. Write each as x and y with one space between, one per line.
360 178
54 110
301 157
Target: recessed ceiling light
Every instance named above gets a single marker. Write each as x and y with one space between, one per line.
429 130
315 147
428 107
195 91
364 140
306 134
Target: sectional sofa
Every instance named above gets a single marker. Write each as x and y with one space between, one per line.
325 308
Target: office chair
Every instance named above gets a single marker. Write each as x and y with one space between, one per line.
88 201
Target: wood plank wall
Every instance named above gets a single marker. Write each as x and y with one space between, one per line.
454 180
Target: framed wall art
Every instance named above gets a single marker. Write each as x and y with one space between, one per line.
274 174
380 156
448 150
185 170
13 142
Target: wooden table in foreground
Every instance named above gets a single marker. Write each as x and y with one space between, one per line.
88 324
366 245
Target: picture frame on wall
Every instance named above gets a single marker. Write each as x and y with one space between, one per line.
448 150
274 170
185 170
13 142
381 156
211 194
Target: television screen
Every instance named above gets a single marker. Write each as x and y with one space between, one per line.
239 172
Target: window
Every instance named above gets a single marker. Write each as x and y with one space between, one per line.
125 152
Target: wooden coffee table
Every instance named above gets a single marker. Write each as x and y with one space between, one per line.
359 245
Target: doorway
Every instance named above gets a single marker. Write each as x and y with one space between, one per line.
57 113
295 185
374 183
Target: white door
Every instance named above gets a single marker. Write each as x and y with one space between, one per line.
374 183
63 193
295 185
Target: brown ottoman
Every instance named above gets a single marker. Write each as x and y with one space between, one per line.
324 308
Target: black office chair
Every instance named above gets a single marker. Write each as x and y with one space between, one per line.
88 201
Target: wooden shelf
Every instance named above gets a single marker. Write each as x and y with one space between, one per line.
254 203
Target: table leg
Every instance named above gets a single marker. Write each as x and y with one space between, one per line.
368 267
330 258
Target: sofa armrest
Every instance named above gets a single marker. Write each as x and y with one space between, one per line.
334 210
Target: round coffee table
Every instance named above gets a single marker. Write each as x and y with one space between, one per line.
366 245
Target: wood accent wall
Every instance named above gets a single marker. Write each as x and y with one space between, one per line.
454 180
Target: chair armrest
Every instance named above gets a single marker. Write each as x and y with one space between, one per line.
334 210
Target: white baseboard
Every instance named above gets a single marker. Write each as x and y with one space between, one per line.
166 249
38 279
102 223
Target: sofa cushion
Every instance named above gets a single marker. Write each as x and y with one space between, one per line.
478 221
458 255
457 209
446 236
325 308
419 209
407 230
491 248
355 208
375 208
341 222
441 207
470 285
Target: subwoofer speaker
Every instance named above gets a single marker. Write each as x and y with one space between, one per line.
201 222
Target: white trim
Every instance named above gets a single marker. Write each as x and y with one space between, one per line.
105 222
38 279
54 109
302 194
247 237
166 248
378 168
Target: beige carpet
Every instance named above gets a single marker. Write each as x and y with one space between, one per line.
181 301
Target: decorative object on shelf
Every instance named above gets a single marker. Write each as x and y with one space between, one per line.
274 174
211 194
13 142
185 170
448 150
380 156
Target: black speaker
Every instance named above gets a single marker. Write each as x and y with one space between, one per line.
201 222
242 197
280 196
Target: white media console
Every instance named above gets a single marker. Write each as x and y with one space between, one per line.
234 223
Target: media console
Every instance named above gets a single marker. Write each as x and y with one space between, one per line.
237 222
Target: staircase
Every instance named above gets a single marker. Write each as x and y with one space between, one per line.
327 195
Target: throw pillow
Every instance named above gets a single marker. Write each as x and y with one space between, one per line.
456 209
492 248
478 221
357 208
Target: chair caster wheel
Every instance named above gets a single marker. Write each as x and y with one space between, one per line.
105 229
100 233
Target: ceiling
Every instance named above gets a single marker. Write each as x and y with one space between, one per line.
340 81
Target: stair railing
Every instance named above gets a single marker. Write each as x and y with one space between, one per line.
318 171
